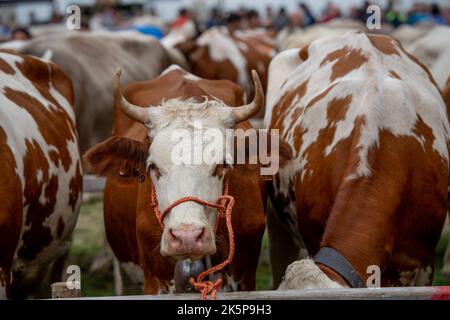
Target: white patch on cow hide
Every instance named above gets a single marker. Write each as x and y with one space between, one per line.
179 35
305 274
191 77
280 68
170 68
20 128
383 102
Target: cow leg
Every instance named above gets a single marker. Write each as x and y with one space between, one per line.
132 278
282 248
4 283
118 281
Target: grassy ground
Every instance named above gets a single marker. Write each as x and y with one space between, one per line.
88 241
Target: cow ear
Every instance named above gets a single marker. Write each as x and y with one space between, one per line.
278 154
118 157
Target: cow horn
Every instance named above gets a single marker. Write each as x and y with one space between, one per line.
243 113
133 111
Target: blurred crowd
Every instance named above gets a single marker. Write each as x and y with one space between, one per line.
274 18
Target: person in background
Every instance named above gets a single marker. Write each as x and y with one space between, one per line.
393 16
308 17
419 14
296 19
446 14
269 18
183 17
233 22
281 20
331 12
20 33
215 18
436 12
4 30
253 21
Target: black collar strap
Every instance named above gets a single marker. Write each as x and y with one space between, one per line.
336 261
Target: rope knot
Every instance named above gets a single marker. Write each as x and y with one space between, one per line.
206 287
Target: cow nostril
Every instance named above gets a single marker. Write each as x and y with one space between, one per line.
173 236
200 235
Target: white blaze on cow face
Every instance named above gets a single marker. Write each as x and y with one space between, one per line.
188 227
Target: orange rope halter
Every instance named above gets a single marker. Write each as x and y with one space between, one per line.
224 206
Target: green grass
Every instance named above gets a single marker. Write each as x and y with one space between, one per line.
87 243
89 237
263 274
440 279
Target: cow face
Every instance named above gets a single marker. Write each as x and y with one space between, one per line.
178 168
184 159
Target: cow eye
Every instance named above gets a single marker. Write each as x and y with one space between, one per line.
152 166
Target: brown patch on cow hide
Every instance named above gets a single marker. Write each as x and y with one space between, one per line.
38 184
5 67
303 53
396 211
283 107
386 45
55 125
321 96
394 74
347 60
337 109
42 74
11 207
446 95
425 134
299 131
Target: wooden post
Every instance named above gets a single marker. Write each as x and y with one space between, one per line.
61 291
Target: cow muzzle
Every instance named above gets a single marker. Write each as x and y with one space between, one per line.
188 241
193 241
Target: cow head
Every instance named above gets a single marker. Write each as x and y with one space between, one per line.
188 227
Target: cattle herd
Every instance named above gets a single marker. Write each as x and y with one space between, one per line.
362 150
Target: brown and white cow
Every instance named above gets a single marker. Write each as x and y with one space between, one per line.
41 179
218 54
89 59
369 132
141 140
433 49
446 265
